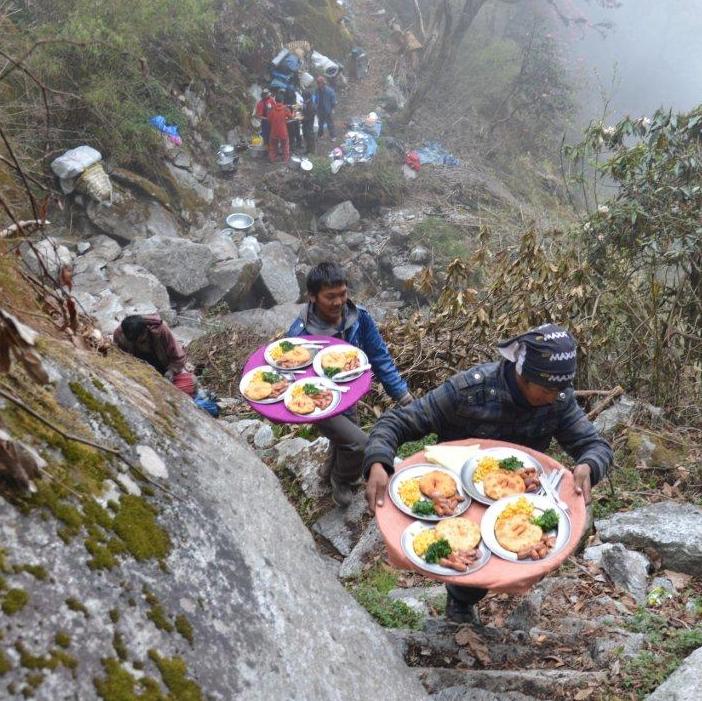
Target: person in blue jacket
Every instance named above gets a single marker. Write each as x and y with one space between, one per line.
330 312
326 103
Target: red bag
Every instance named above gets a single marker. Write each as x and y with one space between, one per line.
185 382
412 160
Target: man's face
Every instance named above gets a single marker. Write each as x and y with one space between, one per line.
330 301
537 395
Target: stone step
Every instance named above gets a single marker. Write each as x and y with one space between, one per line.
541 683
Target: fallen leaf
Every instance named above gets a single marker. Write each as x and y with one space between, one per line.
467 637
19 462
584 694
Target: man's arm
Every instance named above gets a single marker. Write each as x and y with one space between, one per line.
581 440
173 350
379 357
430 414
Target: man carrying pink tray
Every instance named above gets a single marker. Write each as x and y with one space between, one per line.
526 399
331 313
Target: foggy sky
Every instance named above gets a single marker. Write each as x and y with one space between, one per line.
656 46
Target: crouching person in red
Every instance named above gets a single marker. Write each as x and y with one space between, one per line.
149 339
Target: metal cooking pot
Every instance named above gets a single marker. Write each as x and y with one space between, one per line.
239 221
227 149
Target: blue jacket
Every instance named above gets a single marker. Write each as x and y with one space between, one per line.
364 334
325 99
477 403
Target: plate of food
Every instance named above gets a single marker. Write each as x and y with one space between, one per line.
340 358
496 473
311 397
428 492
451 547
263 385
289 354
525 528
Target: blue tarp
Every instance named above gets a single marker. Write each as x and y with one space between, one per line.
434 153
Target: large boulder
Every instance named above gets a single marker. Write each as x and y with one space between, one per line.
204 595
341 217
628 569
674 530
48 255
131 218
230 281
111 291
685 684
191 183
222 243
181 265
268 322
278 273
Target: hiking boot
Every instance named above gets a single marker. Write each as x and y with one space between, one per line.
342 493
460 612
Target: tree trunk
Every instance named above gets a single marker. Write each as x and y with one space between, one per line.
442 54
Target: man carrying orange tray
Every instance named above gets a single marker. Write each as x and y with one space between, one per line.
526 398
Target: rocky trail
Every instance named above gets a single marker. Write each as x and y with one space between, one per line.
606 625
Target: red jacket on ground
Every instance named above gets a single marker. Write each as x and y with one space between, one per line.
278 119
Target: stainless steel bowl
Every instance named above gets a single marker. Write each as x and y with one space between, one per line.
239 221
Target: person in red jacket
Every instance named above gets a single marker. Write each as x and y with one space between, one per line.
278 120
149 339
263 108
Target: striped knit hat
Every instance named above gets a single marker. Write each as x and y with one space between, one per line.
545 355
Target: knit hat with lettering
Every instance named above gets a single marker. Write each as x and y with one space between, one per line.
545 355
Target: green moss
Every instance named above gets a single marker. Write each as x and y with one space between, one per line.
98 383
96 513
135 524
114 615
3 583
119 685
173 672
34 681
62 639
3 565
119 645
182 625
15 600
110 414
113 505
157 613
102 558
37 571
77 606
5 664
30 661
64 659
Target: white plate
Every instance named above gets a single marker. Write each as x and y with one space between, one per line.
297 340
317 382
406 544
487 526
339 348
247 378
476 490
418 471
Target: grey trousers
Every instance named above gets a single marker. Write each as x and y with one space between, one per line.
348 442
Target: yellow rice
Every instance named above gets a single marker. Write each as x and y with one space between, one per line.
486 465
423 540
409 492
276 352
521 506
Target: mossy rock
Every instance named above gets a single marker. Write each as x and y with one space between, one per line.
142 186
